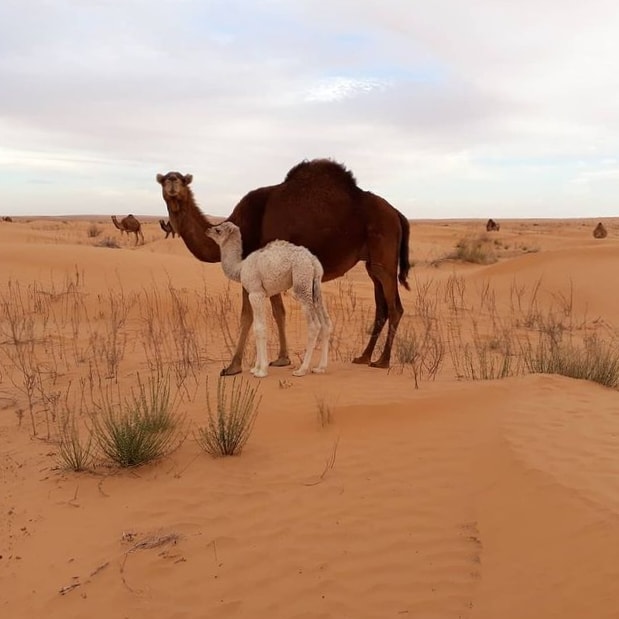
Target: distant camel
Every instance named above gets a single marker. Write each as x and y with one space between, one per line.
492 226
9 219
600 231
129 224
166 226
273 269
319 206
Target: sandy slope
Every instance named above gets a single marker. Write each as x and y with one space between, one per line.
471 499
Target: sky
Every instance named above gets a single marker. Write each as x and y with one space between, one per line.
446 108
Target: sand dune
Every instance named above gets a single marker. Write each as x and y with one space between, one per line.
463 498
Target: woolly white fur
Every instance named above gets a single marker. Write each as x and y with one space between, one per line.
273 269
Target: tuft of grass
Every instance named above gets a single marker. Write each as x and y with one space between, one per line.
141 429
93 231
108 241
477 249
75 452
324 412
230 425
594 360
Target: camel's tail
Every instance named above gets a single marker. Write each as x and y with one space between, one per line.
405 264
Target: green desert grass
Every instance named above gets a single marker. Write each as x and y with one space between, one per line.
131 431
591 359
75 446
229 424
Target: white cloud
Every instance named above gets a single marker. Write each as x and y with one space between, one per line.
339 88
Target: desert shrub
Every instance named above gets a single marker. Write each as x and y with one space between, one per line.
486 359
477 249
108 241
74 451
140 429
592 360
229 426
93 231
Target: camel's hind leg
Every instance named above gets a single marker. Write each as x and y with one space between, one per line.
325 331
388 309
313 328
323 336
389 286
380 317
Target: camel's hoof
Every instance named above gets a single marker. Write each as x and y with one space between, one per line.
260 373
299 372
281 362
230 371
362 360
380 364
318 370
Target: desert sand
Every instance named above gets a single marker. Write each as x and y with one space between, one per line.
466 495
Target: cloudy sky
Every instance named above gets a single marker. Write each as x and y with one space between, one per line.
446 108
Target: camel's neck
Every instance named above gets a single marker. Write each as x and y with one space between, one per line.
191 224
232 258
115 222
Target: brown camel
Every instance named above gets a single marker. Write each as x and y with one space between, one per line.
129 224
166 226
600 231
492 226
319 206
8 219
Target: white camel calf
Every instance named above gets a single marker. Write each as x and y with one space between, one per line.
270 270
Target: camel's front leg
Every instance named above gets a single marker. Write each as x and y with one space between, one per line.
236 365
260 369
279 313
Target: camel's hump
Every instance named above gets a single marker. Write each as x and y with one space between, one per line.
317 168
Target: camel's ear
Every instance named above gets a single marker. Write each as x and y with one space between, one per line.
160 179
188 178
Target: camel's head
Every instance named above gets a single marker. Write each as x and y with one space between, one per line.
222 232
174 187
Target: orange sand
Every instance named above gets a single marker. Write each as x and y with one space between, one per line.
462 499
